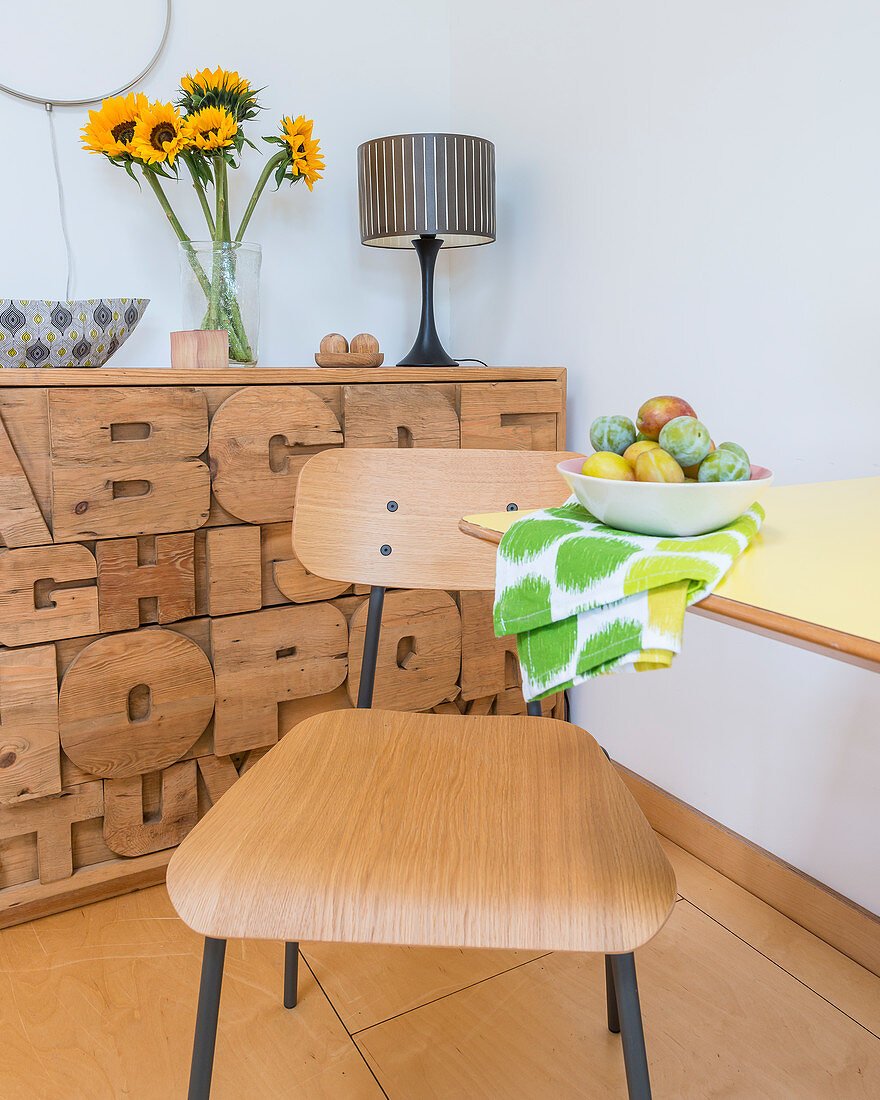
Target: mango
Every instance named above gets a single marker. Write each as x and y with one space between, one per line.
686 439
735 447
658 465
612 433
635 449
610 465
658 411
724 465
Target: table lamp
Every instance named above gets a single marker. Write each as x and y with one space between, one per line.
426 190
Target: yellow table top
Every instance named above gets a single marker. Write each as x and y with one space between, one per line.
813 573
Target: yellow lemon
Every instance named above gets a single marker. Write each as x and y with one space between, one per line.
608 464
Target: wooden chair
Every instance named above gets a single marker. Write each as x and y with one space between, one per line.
366 826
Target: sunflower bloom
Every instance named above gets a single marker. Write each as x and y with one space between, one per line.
220 80
307 161
210 129
110 130
158 134
219 88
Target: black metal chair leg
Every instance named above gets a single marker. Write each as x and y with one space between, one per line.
638 1084
291 973
206 1019
611 997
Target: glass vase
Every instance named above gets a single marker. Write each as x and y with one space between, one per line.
220 289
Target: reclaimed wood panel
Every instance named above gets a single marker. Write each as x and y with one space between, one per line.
30 749
401 416
158 570
260 439
521 416
126 576
126 461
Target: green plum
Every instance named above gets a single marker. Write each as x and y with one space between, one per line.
612 433
737 450
686 439
724 465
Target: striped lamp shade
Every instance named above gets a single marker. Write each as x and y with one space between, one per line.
413 184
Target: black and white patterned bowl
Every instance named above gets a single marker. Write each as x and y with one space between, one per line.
82 333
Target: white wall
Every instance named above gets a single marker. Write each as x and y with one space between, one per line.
688 204
355 68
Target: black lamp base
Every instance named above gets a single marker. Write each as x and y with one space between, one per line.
427 351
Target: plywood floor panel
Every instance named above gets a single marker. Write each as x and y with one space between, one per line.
720 1020
368 984
848 986
99 1003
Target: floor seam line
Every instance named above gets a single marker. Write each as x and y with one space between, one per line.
451 993
347 1032
779 966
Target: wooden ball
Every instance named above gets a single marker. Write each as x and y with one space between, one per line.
365 344
334 344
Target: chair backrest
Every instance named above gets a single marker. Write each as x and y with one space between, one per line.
390 517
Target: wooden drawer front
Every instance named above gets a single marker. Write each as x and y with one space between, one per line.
157 633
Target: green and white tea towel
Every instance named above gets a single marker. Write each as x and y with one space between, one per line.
585 599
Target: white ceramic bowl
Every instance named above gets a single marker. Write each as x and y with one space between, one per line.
655 508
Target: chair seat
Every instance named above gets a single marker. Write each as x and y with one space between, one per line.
379 827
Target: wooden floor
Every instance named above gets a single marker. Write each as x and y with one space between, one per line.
738 1002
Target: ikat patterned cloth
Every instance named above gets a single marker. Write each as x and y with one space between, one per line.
585 599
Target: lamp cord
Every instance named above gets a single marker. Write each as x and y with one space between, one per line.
468 360
62 213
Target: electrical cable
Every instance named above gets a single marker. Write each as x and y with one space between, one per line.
62 214
480 361
50 104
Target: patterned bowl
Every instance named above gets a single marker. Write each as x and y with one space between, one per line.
82 333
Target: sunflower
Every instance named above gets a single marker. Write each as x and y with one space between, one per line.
216 81
110 130
305 154
222 89
210 129
158 134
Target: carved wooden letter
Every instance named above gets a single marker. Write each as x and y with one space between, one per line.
419 651
260 439
267 657
488 664
123 581
126 830
47 592
132 703
125 461
399 416
51 819
234 570
510 416
30 756
21 521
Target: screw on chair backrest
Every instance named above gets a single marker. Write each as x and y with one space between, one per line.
390 517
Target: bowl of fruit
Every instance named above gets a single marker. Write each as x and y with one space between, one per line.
663 474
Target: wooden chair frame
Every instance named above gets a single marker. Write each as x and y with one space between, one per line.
622 995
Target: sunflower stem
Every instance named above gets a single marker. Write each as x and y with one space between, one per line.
271 165
199 189
227 233
153 181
